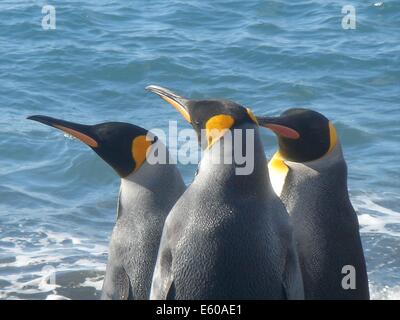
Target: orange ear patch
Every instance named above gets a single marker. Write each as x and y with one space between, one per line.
332 137
79 135
217 126
283 131
140 146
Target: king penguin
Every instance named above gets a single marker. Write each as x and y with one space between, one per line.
309 174
228 236
147 193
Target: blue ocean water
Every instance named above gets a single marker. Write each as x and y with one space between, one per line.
58 199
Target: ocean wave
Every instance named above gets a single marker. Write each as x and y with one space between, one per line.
384 292
36 259
375 218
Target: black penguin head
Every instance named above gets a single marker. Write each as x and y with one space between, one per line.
122 145
303 134
211 118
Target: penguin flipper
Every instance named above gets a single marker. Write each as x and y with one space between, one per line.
171 291
163 287
292 280
116 285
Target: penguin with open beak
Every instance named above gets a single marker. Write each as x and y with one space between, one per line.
309 173
147 193
228 236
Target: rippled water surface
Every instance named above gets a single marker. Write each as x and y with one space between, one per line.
58 199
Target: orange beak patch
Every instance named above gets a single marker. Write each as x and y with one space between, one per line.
79 135
178 107
283 131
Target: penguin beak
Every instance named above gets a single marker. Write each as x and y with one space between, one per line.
179 103
79 131
279 126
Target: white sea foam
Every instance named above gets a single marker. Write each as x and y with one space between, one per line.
32 268
96 282
56 297
91 264
69 137
39 284
384 292
375 218
59 237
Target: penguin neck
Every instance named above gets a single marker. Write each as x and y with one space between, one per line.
309 181
156 184
329 160
279 168
146 177
238 156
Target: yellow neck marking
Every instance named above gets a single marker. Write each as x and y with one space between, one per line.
278 171
139 149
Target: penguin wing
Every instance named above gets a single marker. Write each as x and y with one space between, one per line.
162 287
292 280
116 285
